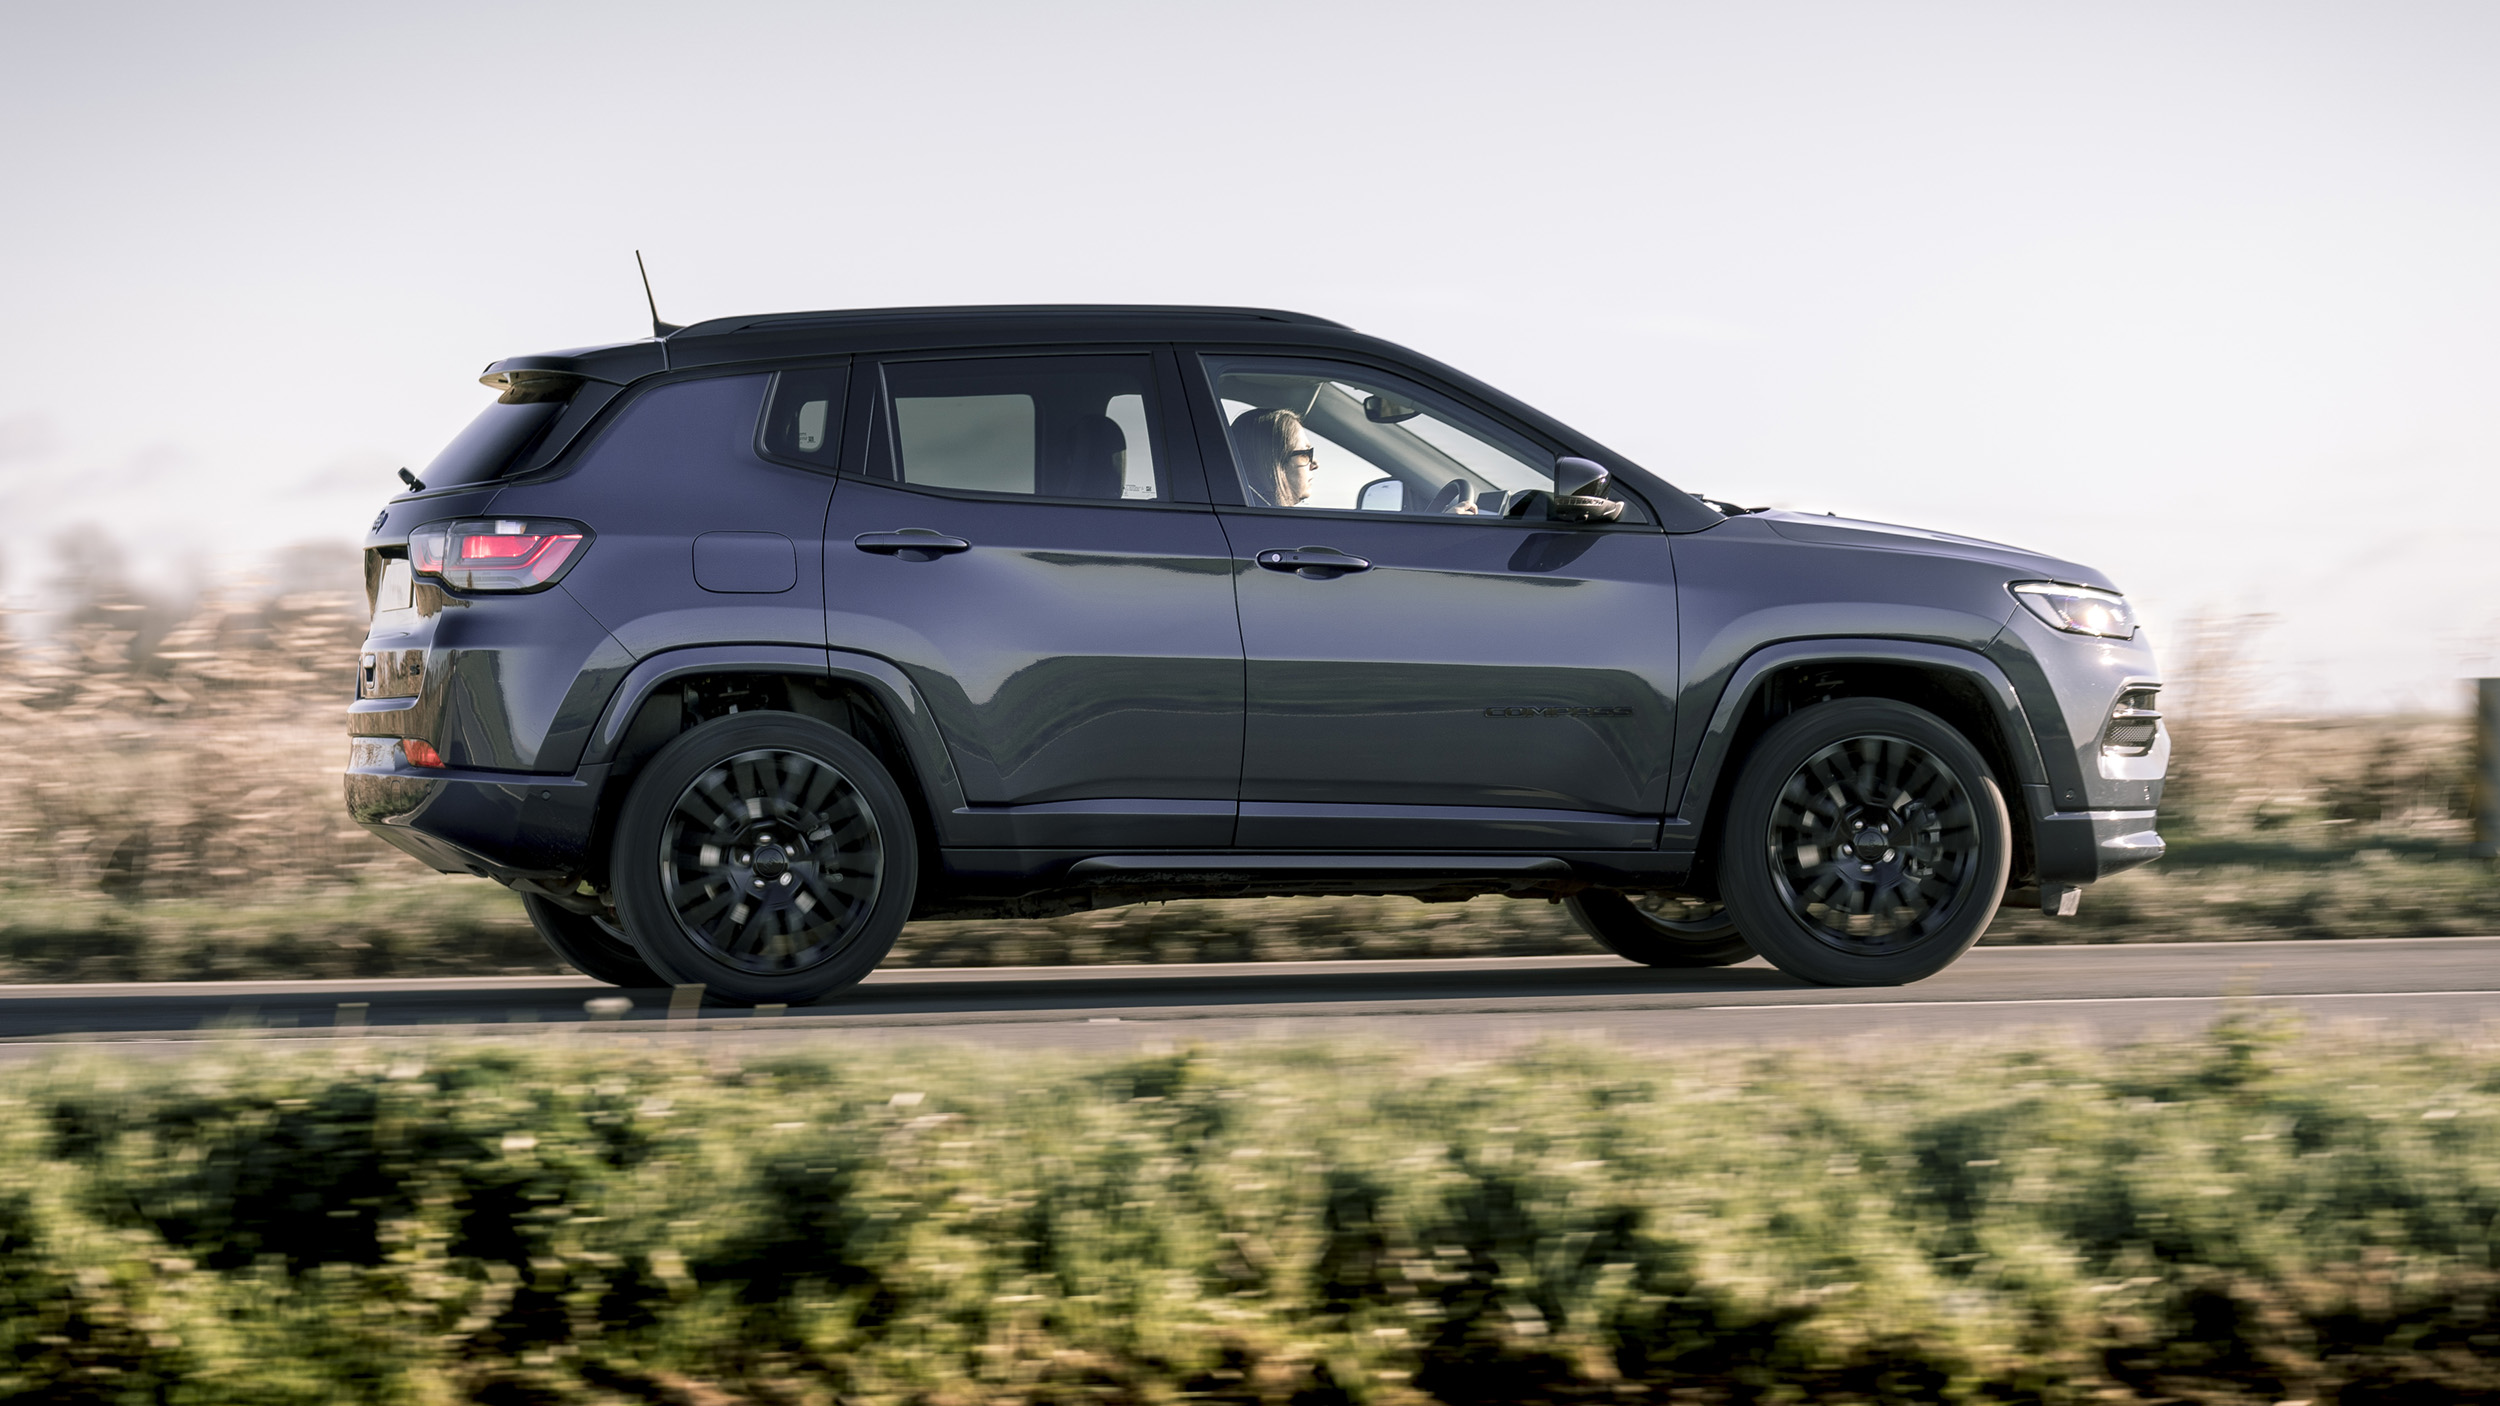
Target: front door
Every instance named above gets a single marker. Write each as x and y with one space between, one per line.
1021 537
1424 673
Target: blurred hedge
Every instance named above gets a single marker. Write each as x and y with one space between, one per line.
2251 1218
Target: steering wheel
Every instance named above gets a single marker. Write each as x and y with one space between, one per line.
1449 496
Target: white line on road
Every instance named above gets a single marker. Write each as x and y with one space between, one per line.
2080 1000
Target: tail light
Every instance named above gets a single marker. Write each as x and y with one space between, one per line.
419 752
2132 725
497 554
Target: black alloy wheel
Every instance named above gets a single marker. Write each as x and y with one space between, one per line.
767 857
1866 844
1660 928
592 945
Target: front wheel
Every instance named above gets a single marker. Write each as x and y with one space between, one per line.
765 856
1866 844
1660 929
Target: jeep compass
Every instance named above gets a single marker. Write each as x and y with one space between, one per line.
735 648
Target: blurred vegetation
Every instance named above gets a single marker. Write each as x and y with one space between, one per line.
2288 827
2255 1217
169 809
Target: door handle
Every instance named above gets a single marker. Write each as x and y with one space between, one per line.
910 543
1312 563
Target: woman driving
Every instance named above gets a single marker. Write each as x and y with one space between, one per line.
1277 462
1276 458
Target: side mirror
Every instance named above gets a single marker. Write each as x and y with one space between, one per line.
1579 478
1580 492
1382 495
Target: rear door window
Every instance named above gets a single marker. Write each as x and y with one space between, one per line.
1081 427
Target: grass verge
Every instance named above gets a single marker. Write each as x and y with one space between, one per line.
2255 1217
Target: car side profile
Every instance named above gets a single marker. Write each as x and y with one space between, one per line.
735 648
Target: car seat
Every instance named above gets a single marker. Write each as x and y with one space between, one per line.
1092 462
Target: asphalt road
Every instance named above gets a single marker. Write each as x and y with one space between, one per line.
2425 985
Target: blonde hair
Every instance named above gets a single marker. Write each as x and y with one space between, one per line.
1262 441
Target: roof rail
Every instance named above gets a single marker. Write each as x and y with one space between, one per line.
724 326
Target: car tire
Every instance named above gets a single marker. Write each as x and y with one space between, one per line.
765 856
1660 929
1798 863
596 948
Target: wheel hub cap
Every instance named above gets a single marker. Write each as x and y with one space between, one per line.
1874 844
1870 846
772 860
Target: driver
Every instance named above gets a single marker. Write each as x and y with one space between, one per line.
1277 462
1276 458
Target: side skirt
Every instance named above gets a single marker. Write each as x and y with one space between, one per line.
1026 883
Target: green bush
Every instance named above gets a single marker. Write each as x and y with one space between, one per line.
2257 1217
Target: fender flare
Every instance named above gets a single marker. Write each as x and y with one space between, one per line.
913 726
1701 780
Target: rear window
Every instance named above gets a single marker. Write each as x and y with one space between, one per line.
502 433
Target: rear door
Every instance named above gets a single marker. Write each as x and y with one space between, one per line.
1023 537
1422 672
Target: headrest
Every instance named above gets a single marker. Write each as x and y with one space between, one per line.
1093 465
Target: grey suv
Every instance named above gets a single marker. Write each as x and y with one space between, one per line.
735 648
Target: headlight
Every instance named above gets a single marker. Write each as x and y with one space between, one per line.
2078 610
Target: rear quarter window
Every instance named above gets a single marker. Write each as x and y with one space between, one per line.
803 417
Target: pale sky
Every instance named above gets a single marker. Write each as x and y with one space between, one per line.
2206 295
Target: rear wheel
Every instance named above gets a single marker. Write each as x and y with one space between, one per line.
1660 929
1866 844
768 857
595 947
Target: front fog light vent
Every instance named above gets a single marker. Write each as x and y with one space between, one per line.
2132 726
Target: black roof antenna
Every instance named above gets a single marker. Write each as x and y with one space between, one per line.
658 328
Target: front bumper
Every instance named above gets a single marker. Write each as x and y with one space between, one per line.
2078 847
496 824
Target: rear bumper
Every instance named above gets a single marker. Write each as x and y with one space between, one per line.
2082 846
498 825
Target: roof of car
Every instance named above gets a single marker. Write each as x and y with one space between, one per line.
1018 313
763 336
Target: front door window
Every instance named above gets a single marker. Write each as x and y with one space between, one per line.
1319 435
